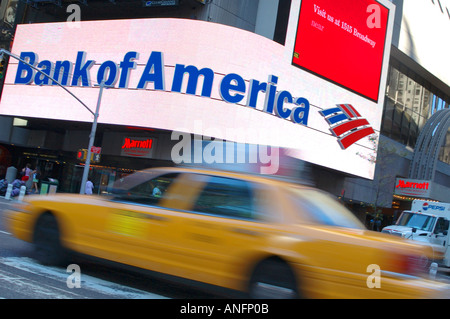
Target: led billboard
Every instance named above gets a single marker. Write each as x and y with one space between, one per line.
181 76
343 41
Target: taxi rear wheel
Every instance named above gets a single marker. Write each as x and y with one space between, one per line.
47 241
273 279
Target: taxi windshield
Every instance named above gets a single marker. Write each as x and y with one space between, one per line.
413 220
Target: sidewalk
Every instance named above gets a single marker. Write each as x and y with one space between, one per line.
11 200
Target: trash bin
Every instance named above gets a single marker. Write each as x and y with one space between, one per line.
49 187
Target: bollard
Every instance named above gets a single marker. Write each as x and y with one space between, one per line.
433 270
11 173
8 191
23 190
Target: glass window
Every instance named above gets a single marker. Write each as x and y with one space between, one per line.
422 121
393 83
397 123
441 226
148 192
323 209
426 102
406 120
414 104
422 222
413 134
226 197
444 152
388 112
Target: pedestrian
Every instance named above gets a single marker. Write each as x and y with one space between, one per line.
26 172
36 177
89 187
156 192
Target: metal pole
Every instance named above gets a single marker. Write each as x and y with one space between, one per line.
94 124
91 140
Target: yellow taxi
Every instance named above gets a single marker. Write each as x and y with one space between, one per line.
266 237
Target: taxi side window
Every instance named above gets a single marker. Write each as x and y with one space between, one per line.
227 197
151 191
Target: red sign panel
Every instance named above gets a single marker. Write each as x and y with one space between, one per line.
138 147
343 42
412 187
96 149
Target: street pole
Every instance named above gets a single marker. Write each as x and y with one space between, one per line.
91 140
94 124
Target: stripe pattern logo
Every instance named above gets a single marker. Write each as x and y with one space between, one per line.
346 124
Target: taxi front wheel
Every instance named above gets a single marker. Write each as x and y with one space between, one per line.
273 279
47 242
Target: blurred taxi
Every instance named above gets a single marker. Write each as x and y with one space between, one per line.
266 237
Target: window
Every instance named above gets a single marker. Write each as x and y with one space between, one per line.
388 114
444 152
321 208
441 225
409 104
422 222
149 192
226 197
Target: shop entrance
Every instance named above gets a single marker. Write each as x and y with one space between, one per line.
102 177
45 167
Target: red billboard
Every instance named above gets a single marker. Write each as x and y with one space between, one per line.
343 41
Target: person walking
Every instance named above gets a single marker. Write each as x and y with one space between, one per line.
89 187
26 172
36 177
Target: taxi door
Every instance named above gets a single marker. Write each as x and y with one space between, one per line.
222 228
142 227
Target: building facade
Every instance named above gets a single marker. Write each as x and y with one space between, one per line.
417 99
414 86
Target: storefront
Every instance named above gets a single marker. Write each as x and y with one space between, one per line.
181 77
407 190
120 153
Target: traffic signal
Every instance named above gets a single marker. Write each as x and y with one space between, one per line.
2 67
82 154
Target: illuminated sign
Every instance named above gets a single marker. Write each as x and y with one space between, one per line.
137 147
346 124
240 87
232 87
343 41
412 187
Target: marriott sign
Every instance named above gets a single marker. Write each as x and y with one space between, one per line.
137 147
412 187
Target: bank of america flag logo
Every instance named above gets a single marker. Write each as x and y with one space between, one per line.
346 124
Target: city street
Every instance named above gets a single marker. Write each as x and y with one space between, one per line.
21 277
